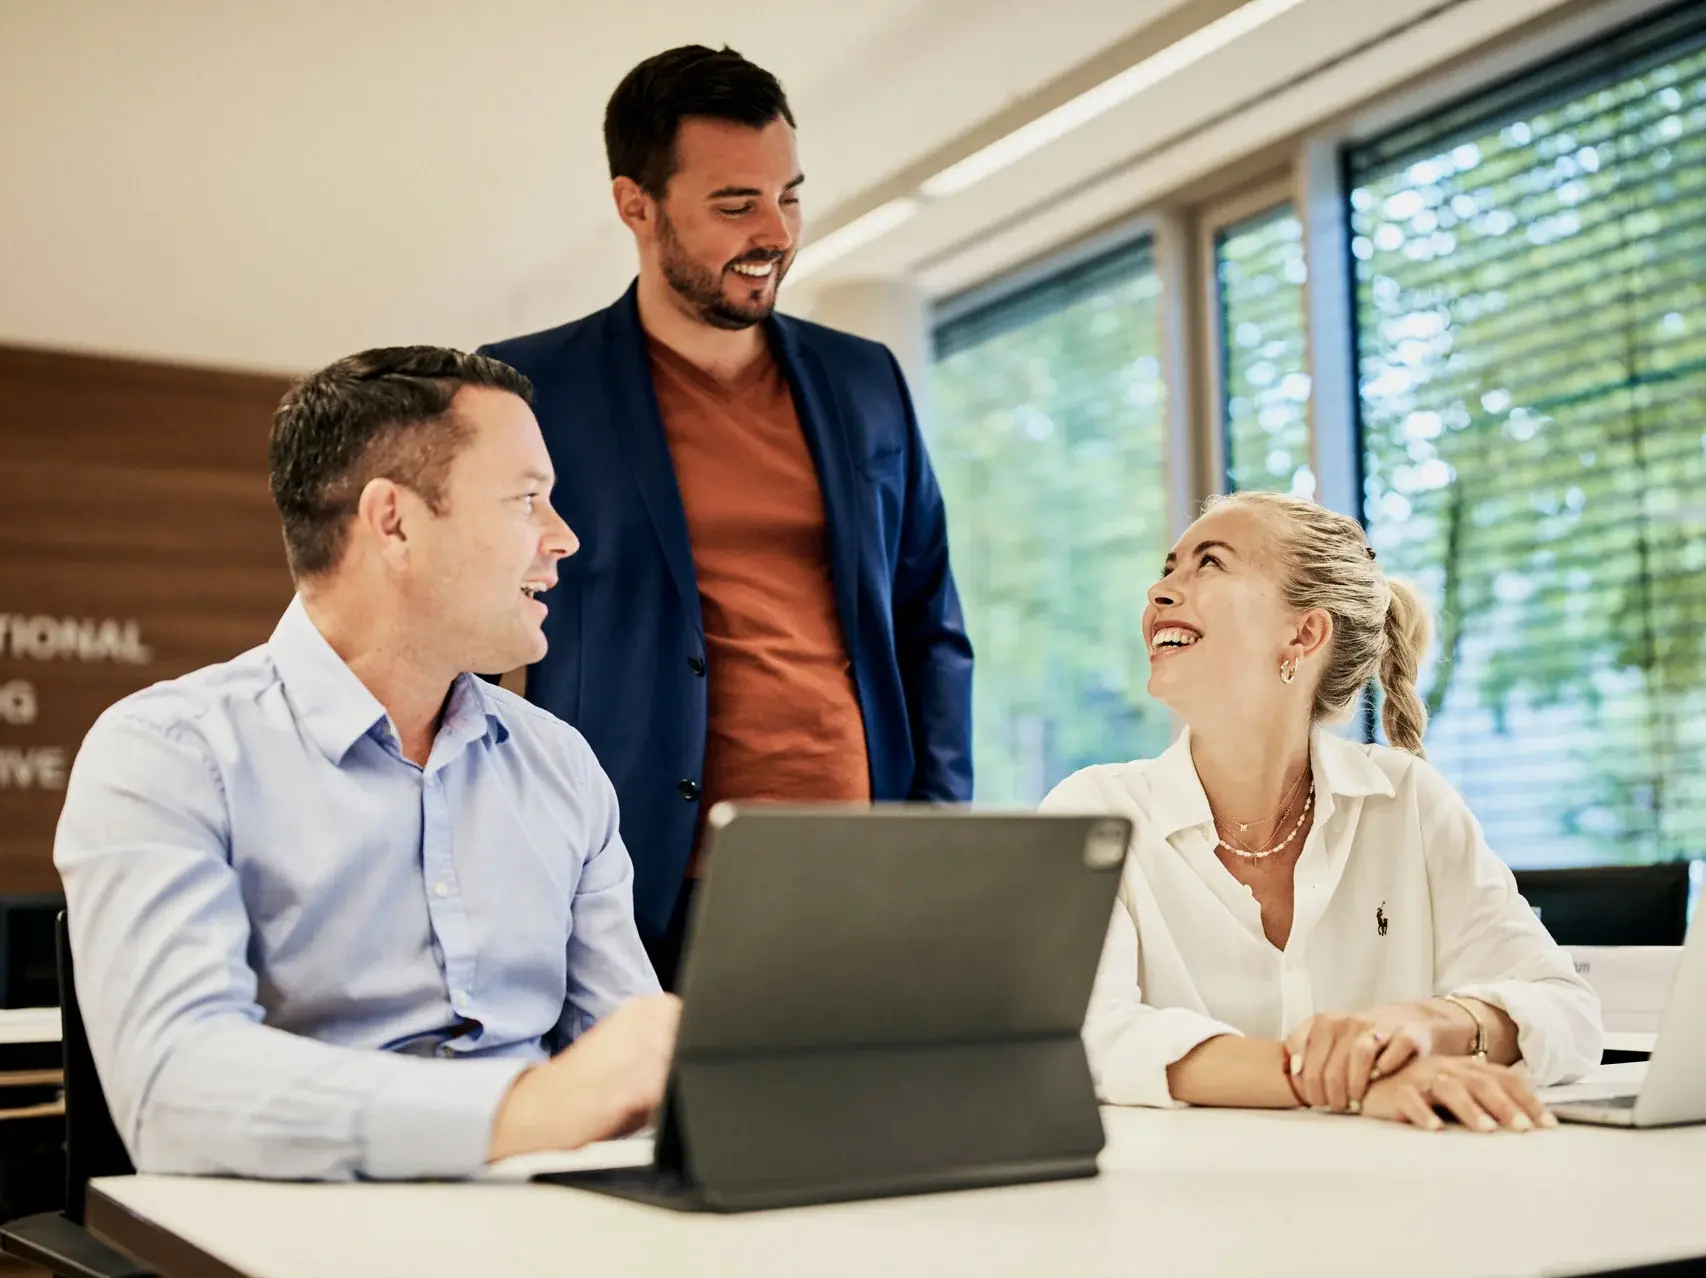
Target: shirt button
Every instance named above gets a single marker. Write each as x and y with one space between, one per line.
689 790
459 999
696 665
441 888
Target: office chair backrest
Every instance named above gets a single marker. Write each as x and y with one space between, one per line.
27 975
1611 904
92 1144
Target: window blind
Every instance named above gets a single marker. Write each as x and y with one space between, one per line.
1529 280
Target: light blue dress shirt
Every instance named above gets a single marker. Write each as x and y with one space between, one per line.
300 955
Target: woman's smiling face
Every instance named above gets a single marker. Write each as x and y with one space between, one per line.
1217 625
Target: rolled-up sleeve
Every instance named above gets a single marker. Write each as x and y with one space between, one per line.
1489 944
1129 1043
195 1082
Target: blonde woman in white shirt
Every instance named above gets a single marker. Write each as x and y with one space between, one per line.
1305 920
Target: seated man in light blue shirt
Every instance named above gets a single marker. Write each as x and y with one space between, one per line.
340 907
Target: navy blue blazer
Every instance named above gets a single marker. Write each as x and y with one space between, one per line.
626 664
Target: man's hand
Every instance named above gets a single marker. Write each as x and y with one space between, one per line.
607 1083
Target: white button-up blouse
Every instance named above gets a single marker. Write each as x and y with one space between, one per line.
1397 898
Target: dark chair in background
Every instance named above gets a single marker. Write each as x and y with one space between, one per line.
1611 904
32 1117
57 1241
28 971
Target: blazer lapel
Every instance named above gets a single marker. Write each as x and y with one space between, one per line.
824 425
639 426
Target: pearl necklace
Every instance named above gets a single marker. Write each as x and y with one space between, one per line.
1263 854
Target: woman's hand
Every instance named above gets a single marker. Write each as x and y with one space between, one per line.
1482 1096
1334 1057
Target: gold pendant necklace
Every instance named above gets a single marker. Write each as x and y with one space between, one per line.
1285 802
1262 854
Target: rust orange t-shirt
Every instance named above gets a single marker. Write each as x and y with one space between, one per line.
784 723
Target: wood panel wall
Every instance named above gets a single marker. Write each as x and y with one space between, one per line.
137 542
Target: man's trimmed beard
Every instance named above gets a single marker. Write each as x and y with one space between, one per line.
703 289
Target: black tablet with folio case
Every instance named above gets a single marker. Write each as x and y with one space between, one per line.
882 1001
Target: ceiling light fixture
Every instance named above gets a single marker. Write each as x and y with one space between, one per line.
1104 97
854 235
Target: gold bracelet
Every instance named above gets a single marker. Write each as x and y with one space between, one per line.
1479 1050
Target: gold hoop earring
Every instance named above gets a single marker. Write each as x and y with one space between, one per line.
1288 671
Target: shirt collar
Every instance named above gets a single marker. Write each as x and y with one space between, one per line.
1178 799
1342 770
336 709
472 711
1346 769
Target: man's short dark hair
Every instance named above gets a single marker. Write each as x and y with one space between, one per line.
645 113
382 414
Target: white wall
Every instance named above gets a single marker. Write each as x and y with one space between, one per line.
272 186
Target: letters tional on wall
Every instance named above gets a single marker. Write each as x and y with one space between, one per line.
137 542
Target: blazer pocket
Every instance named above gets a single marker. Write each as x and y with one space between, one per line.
885 463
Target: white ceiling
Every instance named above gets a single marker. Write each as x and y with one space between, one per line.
1319 65
271 186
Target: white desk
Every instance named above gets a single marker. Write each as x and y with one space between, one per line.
29 1025
1629 1041
29 1055
1182 1192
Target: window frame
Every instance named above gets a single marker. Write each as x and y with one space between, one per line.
1128 231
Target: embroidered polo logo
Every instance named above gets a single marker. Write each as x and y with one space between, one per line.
1380 918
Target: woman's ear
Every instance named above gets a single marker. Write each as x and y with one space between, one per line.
1314 632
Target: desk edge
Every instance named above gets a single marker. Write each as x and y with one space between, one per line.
168 1254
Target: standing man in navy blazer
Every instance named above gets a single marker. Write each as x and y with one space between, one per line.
762 608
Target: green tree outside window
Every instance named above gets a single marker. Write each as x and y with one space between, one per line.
1047 433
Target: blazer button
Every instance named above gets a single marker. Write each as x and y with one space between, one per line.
696 665
689 790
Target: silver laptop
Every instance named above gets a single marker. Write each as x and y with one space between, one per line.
1674 1089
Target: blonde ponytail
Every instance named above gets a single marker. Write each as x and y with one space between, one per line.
1407 632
